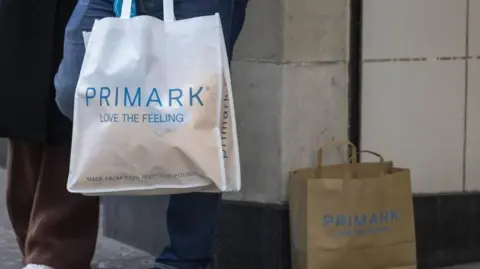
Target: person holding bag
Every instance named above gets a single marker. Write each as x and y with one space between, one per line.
192 218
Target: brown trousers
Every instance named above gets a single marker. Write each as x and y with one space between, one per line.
53 227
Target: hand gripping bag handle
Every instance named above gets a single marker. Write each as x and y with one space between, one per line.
168 10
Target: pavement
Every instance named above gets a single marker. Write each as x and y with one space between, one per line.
110 254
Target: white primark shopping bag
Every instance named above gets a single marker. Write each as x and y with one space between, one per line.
154 111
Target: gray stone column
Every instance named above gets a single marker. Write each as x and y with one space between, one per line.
290 90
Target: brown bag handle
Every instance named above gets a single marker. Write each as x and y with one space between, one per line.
353 154
376 154
380 157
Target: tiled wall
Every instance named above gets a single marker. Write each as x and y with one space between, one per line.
421 89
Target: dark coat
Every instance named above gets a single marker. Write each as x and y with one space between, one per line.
31 45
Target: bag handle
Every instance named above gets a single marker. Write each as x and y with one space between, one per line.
380 157
168 10
126 12
353 154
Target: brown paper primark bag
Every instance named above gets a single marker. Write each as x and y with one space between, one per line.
352 216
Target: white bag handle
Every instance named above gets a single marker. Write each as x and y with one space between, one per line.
126 12
168 10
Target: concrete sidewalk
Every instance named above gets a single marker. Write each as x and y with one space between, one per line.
110 254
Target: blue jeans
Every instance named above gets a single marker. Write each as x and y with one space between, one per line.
192 219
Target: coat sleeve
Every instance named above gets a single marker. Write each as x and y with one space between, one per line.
66 79
65 98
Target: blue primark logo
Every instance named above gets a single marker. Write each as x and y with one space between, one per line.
362 223
138 97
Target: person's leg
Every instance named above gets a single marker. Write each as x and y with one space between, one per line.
63 226
239 8
232 13
23 168
192 219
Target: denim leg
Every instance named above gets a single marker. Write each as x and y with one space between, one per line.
192 221
82 19
239 8
232 13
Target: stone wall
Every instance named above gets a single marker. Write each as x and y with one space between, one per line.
290 88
